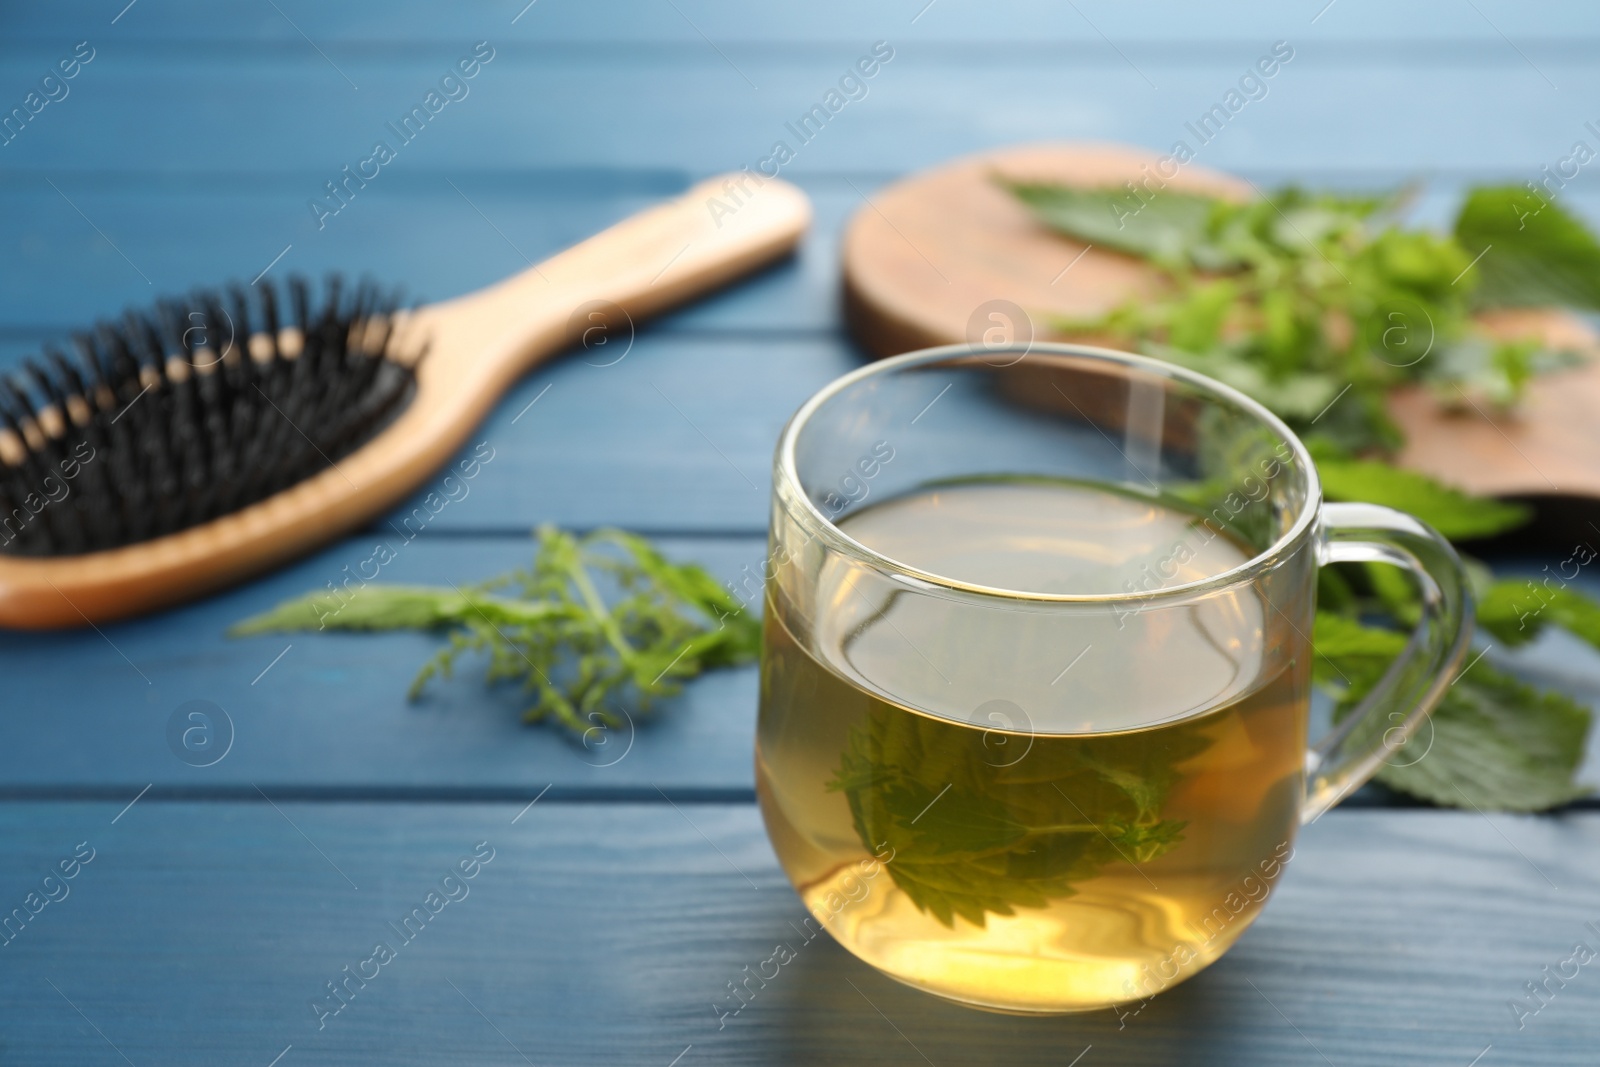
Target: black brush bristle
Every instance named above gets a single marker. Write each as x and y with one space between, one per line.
191 410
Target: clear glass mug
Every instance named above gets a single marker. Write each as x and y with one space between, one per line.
1036 668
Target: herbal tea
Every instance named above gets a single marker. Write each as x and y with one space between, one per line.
1043 808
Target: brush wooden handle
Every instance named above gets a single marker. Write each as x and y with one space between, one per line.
477 346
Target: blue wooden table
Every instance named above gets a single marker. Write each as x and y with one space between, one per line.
211 906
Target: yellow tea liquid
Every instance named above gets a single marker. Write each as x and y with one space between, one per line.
1025 810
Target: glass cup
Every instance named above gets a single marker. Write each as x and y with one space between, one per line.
1036 668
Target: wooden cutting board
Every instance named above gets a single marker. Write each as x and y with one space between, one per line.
945 256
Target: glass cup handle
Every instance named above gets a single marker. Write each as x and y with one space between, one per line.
1354 750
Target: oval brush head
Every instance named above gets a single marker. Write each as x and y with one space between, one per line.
191 410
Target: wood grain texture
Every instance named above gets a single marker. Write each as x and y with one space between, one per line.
470 350
1406 108
328 714
413 229
1434 22
932 252
604 934
1548 445
679 434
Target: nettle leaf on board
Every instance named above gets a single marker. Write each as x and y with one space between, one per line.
1457 515
1535 253
1297 297
1170 228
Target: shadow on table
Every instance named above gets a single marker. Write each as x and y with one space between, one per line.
828 1007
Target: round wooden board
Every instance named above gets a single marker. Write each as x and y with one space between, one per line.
948 256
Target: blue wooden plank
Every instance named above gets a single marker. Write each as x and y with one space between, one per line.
421 234
679 434
216 922
329 711
604 934
1405 109
664 467
314 714
825 21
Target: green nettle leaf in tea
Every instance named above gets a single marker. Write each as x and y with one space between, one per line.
1052 807
972 836
1301 299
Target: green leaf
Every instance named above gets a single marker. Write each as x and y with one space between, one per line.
1578 614
1341 639
1453 513
1349 657
971 838
1538 253
974 889
1505 613
1495 744
1170 228
1319 304
1515 611
580 655
1294 396
368 607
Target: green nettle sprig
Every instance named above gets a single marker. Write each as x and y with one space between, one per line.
582 656
1320 305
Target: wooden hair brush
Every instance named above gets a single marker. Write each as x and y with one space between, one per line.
166 460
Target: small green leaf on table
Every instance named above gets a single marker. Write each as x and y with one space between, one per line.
583 658
1494 743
